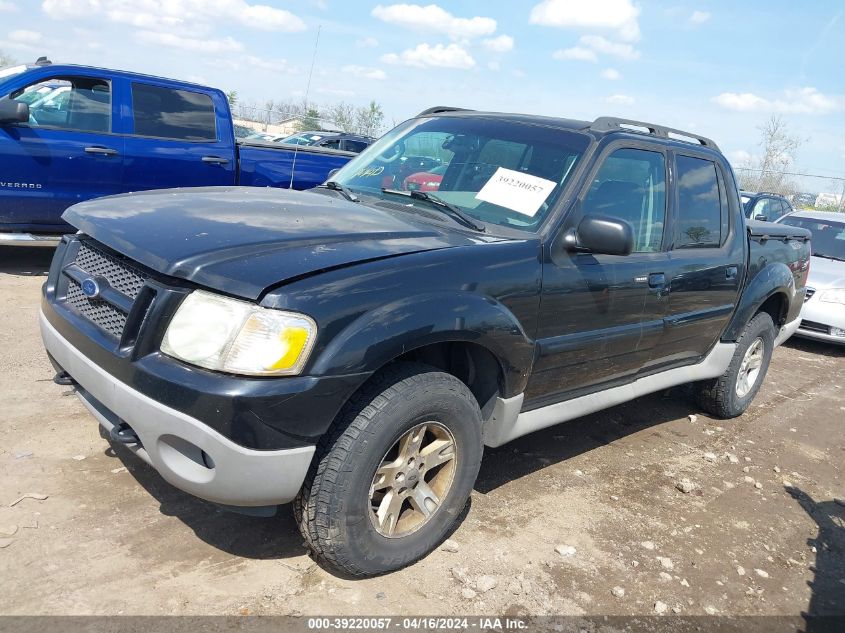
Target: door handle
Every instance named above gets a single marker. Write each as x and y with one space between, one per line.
99 149
731 272
656 280
215 160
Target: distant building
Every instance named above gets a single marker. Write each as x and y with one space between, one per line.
828 200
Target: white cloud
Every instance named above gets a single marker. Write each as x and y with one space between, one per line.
621 16
740 157
611 73
204 45
336 92
22 36
699 17
434 18
501 44
191 16
267 63
619 99
425 55
363 72
577 53
801 101
366 42
615 49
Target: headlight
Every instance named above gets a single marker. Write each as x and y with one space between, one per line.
239 337
834 295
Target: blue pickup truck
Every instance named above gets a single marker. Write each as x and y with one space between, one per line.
72 133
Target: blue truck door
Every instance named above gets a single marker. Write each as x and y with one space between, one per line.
65 154
176 137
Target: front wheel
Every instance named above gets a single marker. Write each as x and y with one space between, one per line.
389 481
729 395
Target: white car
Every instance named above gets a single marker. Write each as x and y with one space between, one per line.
823 313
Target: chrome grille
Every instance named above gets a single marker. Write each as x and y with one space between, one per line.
808 293
104 314
120 275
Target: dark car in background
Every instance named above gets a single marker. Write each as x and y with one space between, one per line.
333 140
765 206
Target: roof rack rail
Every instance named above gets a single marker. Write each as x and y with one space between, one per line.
441 109
609 123
43 61
770 193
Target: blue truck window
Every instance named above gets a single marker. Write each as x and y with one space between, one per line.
69 103
699 207
631 185
182 115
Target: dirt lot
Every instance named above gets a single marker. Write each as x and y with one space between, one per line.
760 534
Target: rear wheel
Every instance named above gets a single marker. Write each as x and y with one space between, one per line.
389 481
730 394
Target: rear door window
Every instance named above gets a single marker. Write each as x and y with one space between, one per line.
170 113
699 204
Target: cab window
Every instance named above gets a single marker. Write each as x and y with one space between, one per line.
80 104
173 114
631 185
700 209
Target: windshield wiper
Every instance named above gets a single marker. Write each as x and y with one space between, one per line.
833 257
341 189
451 210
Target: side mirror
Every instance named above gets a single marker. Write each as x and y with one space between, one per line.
761 217
602 235
12 111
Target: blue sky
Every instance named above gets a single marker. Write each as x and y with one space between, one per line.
717 68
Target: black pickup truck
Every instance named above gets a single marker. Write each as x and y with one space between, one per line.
353 348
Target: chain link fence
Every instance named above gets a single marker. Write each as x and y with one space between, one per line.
803 190
289 118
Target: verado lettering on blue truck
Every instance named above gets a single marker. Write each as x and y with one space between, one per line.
67 132
352 349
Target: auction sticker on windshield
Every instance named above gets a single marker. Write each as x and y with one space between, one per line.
516 191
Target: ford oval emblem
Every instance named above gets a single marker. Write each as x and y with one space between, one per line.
90 288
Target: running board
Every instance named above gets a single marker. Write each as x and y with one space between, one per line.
506 423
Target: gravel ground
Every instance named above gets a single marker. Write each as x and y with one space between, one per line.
649 507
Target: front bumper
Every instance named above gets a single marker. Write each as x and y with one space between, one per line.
186 452
818 317
29 239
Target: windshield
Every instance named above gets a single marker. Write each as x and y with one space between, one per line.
299 139
828 236
500 172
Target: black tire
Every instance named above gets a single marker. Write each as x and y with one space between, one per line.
719 396
333 508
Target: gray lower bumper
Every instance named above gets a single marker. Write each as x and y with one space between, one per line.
787 330
187 453
29 239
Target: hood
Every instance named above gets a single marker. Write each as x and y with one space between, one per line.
242 240
826 273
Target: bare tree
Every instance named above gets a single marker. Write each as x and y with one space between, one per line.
779 149
342 114
369 119
6 60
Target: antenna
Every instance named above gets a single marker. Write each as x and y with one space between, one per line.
307 90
